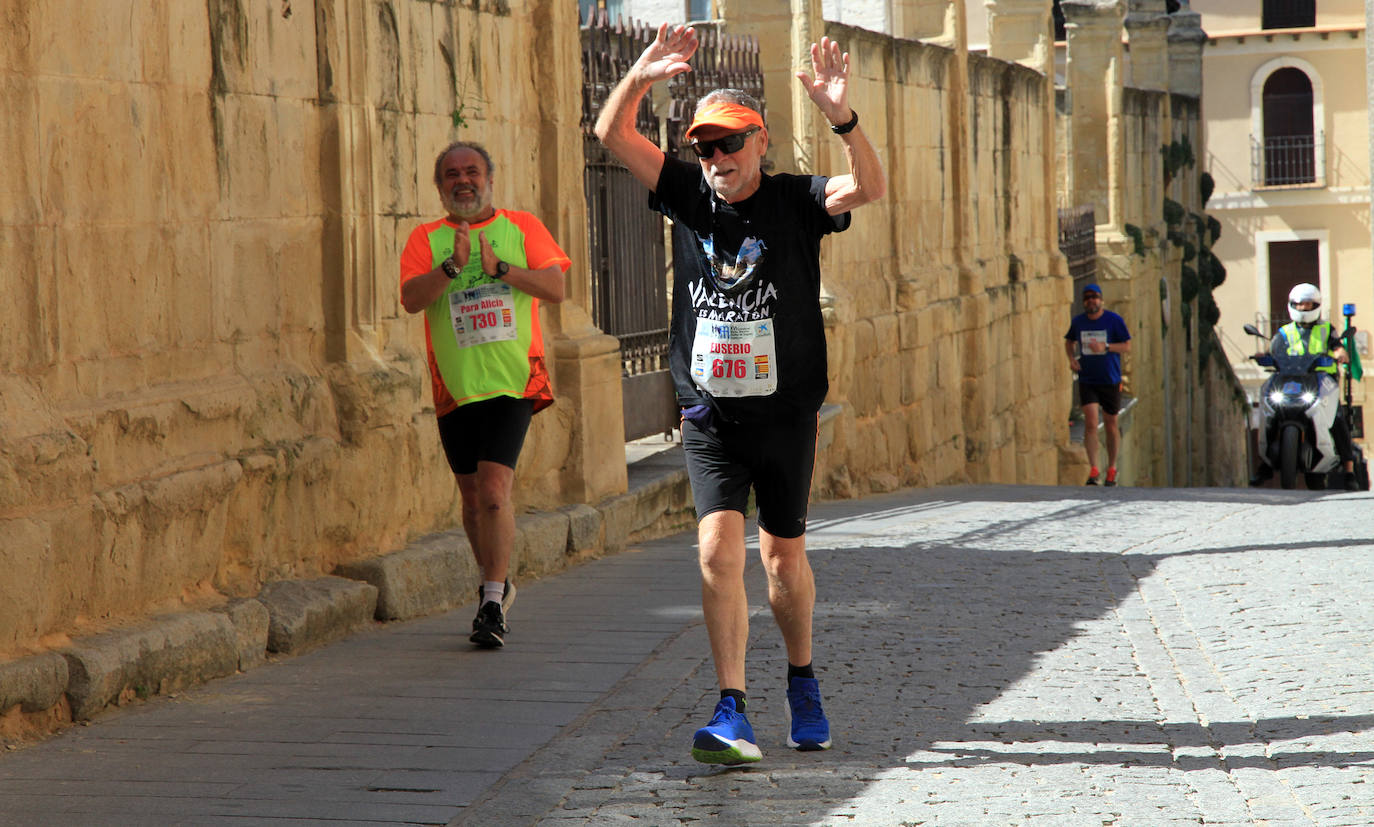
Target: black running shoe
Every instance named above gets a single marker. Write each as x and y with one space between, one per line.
489 626
507 598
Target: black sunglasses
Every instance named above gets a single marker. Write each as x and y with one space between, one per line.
728 144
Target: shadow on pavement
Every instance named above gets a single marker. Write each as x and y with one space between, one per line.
933 612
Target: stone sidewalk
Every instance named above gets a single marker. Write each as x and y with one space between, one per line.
989 654
163 653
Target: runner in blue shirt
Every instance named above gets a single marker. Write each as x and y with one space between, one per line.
1096 339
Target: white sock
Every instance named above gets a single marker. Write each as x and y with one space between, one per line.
493 591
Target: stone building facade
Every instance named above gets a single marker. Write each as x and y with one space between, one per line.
1288 134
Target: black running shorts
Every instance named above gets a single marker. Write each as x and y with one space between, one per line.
776 459
1107 396
492 430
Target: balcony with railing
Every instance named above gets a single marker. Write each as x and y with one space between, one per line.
1288 161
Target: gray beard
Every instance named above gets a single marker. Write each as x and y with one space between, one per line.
452 205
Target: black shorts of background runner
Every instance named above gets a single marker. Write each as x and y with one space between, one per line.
1107 396
776 458
492 430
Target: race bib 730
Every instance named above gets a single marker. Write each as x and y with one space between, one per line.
483 314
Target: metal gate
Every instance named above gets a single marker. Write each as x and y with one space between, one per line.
1078 243
721 61
628 260
630 273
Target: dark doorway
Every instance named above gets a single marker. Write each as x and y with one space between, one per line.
1290 263
1289 133
1288 14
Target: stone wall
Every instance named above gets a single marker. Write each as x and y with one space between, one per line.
207 382
206 379
945 297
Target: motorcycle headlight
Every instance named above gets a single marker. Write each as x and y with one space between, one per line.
1308 397
1275 397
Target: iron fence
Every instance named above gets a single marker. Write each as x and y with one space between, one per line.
721 61
628 258
1078 243
626 239
1269 325
1286 160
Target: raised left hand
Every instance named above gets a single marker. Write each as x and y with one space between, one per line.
828 83
489 257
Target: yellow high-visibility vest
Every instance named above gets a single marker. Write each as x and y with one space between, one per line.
1316 341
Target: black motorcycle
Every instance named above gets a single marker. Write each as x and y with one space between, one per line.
1290 405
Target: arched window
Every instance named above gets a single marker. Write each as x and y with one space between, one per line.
1290 141
1288 14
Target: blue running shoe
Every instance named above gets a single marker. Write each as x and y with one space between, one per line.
728 739
810 729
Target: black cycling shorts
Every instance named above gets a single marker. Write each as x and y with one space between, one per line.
492 430
1107 396
725 459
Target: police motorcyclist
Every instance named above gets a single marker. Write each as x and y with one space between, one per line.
1306 334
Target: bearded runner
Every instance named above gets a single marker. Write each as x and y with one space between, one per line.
483 337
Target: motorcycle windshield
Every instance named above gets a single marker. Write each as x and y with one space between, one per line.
1290 364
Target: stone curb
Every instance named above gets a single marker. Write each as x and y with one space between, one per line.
423 578
161 655
33 683
251 619
306 613
434 574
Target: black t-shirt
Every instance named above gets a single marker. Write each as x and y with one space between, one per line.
747 336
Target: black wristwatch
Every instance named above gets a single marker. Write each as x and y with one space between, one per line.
450 269
502 269
845 128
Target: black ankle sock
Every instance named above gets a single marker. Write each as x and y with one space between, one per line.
740 700
800 672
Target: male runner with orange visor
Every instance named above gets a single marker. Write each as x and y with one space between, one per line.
747 353
478 275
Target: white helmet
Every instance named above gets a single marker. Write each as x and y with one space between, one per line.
1304 293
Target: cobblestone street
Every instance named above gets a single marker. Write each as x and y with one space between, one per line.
990 655
1133 657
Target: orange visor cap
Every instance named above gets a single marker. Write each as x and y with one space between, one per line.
726 114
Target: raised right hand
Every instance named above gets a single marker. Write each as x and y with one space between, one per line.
667 56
